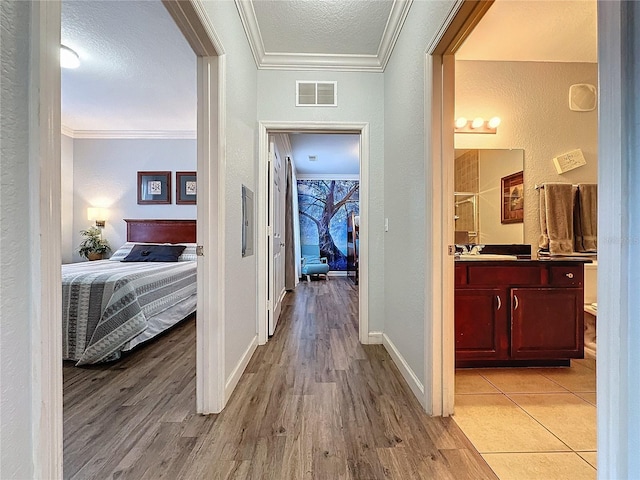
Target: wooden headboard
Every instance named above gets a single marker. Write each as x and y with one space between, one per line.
161 231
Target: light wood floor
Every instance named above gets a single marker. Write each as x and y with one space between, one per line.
313 403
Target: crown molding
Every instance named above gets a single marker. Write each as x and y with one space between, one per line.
130 134
319 61
251 29
67 131
397 17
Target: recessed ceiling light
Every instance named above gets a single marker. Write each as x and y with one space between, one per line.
68 58
313 158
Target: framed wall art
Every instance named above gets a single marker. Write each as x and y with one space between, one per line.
186 187
513 198
154 188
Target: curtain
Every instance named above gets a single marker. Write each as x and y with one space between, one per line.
289 248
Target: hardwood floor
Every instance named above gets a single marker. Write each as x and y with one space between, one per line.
313 403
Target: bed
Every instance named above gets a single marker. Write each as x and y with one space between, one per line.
110 306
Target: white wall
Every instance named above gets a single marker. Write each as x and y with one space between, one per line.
492 166
66 156
16 298
105 174
405 196
532 99
241 158
360 99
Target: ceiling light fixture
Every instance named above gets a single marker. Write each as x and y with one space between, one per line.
477 125
68 58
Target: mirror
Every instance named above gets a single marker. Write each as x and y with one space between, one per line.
488 200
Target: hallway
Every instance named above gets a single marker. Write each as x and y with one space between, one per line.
313 403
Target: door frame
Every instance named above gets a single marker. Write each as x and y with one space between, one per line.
439 348
193 22
44 182
268 127
617 367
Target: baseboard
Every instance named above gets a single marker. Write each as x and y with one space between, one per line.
375 338
407 373
234 378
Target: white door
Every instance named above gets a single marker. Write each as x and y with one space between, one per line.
276 239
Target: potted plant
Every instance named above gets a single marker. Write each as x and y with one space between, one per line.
93 246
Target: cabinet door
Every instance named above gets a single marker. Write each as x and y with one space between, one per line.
547 323
481 324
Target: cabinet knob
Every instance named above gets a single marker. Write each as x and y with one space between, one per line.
568 275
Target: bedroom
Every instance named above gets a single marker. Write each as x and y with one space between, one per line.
123 115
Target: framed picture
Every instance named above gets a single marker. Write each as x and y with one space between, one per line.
186 188
154 188
513 198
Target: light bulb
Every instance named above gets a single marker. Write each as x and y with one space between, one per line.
477 122
461 122
68 58
494 122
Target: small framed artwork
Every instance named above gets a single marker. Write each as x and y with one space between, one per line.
513 198
154 188
186 187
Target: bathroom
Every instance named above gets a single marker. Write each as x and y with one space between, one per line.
538 122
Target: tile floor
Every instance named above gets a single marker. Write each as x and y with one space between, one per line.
531 423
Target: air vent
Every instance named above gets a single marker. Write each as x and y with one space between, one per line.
316 94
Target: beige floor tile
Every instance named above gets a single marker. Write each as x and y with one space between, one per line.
494 423
538 466
586 362
589 397
575 379
469 381
522 381
567 416
591 457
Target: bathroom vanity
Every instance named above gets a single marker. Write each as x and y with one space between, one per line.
519 312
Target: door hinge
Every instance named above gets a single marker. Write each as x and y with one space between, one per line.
451 249
199 251
269 305
269 230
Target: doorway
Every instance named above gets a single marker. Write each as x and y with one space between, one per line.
264 281
46 140
497 382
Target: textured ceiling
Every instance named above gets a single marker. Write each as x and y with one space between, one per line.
337 154
327 27
541 31
137 71
356 35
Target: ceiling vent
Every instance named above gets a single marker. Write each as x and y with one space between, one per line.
316 94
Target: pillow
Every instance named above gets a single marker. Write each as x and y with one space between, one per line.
188 255
154 253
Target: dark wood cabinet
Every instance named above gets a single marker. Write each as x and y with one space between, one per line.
523 312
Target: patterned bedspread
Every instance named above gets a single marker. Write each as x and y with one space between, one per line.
107 303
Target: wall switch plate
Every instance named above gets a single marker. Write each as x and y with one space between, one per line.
569 161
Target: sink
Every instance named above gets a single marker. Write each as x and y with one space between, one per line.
486 256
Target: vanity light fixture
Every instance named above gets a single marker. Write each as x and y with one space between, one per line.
477 125
97 214
68 58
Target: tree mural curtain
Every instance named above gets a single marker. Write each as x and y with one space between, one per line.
289 248
324 206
